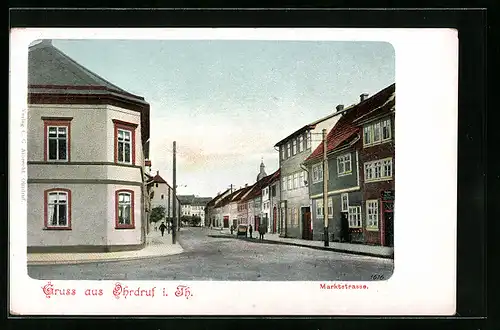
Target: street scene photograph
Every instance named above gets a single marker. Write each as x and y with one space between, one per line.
210 160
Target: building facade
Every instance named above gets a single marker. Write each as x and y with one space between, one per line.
192 205
87 146
295 209
377 160
353 203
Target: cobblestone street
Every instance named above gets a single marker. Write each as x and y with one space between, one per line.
227 259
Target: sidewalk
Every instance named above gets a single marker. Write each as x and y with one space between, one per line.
359 249
156 246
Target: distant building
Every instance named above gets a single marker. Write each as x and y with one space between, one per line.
87 148
162 194
192 205
270 202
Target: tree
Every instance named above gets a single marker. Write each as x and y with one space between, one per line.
157 214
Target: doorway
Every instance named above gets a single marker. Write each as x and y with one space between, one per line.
389 228
306 224
226 222
275 219
344 227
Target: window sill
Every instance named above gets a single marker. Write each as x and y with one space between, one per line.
344 174
125 227
379 180
377 143
371 229
124 163
57 228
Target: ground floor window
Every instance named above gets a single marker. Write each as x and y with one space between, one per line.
57 209
372 214
124 209
354 216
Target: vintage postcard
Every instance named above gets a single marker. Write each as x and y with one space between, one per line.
233 171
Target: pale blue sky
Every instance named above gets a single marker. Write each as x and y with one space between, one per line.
227 103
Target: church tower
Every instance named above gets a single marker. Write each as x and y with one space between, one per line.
262 173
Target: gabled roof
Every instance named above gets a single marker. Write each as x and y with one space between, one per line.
234 196
346 127
256 190
309 126
274 177
218 198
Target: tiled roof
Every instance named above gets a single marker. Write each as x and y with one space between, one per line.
257 188
158 179
52 71
346 127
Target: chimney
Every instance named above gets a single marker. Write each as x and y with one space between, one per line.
157 172
363 97
246 185
340 107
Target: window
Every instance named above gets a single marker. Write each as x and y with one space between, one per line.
378 170
308 140
319 208
386 129
57 139
288 153
157 185
283 183
377 132
354 216
289 178
294 147
124 142
295 180
344 202
283 152
301 143
273 191
124 209
57 212
301 179
344 165
162 196
372 214
317 173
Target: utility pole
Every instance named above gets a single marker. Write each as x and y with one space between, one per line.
325 187
174 202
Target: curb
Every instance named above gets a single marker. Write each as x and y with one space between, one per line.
367 254
90 261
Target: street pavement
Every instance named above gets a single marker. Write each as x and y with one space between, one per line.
207 258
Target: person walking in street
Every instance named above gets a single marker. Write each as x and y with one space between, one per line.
250 231
162 228
262 231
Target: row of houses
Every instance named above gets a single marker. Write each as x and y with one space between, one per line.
87 156
360 189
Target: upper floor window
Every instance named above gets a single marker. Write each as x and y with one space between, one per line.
124 142
377 132
344 165
124 203
288 153
301 143
290 183
57 139
378 170
295 180
57 214
308 140
294 147
162 196
283 183
317 173
283 157
301 179
273 191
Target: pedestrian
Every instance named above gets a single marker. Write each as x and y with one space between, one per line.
262 231
232 229
250 230
162 228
